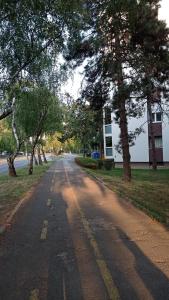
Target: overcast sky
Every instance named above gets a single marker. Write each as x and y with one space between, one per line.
73 84
164 11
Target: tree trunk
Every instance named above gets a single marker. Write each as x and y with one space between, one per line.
84 153
11 158
35 160
121 106
39 156
124 141
30 171
44 157
154 160
31 162
11 167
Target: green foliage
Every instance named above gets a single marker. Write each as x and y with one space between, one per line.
32 36
84 124
7 142
30 30
86 162
38 111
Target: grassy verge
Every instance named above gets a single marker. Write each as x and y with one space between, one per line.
149 190
12 189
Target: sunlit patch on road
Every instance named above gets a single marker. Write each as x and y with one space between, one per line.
104 271
49 202
34 295
44 230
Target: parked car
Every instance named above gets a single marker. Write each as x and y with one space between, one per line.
5 153
20 153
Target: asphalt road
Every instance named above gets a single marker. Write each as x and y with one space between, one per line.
20 162
74 240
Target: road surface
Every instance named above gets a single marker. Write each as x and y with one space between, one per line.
74 240
20 162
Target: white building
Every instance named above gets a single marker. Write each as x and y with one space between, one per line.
141 150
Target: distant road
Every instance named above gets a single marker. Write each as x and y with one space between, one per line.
20 162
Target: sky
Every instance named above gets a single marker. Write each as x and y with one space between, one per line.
164 11
73 85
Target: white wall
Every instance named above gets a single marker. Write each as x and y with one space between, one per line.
165 130
140 151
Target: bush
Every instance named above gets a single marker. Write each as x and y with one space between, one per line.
99 163
108 164
86 162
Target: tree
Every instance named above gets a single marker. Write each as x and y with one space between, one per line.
7 142
150 41
53 143
105 41
39 113
83 124
107 47
30 31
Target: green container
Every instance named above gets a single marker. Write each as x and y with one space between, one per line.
109 164
100 164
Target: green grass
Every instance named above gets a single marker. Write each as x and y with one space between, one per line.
12 189
148 190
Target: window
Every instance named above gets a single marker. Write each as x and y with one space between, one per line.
108 129
108 141
109 152
107 115
153 117
158 142
157 117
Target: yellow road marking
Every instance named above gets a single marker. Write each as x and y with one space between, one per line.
44 231
49 201
34 295
105 273
45 223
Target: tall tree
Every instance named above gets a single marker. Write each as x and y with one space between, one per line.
107 47
150 41
39 112
105 40
30 30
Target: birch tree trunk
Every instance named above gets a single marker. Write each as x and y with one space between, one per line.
35 160
43 154
39 156
11 158
11 167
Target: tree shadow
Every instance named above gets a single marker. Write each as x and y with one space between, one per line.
63 273
117 247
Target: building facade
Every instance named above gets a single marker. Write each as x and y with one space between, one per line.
140 151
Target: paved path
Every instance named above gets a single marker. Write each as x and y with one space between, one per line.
74 240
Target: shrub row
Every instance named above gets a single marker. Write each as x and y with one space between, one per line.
90 163
86 162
